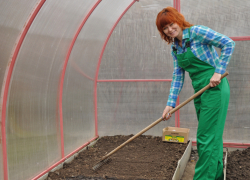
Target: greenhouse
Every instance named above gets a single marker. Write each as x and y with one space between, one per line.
74 71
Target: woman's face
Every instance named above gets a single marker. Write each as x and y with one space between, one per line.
173 30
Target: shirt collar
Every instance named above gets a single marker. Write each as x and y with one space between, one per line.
185 35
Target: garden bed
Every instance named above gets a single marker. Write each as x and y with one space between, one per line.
146 157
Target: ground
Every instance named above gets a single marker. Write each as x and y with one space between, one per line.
238 167
146 157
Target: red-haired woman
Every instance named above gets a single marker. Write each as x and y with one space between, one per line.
193 51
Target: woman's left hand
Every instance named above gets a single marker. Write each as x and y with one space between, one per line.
215 80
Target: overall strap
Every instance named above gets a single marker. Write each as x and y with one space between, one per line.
187 45
189 31
174 50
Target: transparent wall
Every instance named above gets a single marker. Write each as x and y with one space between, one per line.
228 17
32 123
13 16
78 97
128 107
238 125
135 51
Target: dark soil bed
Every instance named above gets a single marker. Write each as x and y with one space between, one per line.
238 165
146 157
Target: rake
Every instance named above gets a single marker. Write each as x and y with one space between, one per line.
105 159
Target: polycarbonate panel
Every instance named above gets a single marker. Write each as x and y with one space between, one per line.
78 94
13 16
229 17
33 128
135 49
132 54
128 107
237 127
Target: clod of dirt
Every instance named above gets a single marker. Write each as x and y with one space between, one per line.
146 157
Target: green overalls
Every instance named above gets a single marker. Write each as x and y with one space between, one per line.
211 109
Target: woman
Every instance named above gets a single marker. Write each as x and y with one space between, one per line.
193 51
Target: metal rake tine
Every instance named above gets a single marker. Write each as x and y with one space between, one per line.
101 163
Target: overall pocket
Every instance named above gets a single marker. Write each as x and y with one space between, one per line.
183 63
211 98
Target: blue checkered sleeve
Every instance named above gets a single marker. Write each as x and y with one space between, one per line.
177 82
208 36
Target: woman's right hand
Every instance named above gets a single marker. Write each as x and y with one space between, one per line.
166 115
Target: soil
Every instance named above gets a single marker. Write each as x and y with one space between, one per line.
146 157
238 165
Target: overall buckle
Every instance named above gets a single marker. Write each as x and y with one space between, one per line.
187 44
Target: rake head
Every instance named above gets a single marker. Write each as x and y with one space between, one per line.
100 163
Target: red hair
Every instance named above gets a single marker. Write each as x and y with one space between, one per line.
170 15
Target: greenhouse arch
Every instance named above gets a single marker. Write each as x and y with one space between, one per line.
72 71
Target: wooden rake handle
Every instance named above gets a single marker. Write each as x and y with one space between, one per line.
160 119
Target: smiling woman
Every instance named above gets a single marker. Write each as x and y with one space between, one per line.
193 50
170 17
173 30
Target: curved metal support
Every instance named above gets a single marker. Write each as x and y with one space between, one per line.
63 74
177 5
98 66
241 38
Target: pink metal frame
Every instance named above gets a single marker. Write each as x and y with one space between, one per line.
63 74
99 63
177 119
61 88
177 5
134 80
11 64
7 79
63 157
241 38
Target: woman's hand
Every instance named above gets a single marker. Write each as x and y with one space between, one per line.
215 80
166 115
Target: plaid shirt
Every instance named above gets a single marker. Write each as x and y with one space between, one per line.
202 42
